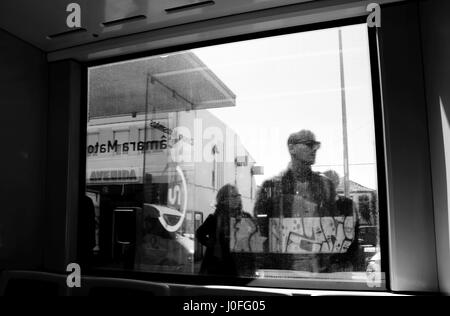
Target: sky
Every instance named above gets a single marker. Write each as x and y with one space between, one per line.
291 82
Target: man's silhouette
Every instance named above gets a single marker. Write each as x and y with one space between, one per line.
298 192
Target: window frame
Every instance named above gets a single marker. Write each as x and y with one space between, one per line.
299 284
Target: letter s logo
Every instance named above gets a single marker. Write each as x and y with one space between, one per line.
178 195
175 195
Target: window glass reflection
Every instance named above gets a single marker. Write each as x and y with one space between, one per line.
251 159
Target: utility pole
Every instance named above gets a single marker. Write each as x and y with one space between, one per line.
344 118
144 180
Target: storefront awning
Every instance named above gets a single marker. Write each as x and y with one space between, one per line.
170 83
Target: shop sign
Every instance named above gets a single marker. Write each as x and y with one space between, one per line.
113 175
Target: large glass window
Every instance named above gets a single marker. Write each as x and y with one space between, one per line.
252 159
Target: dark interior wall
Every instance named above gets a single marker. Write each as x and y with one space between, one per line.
65 126
23 100
40 124
436 51
411 221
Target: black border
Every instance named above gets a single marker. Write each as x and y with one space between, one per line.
379 139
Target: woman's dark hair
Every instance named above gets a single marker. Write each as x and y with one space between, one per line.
224 195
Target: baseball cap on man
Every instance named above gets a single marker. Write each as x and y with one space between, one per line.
303 137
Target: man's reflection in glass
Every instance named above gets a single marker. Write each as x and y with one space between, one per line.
291 209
